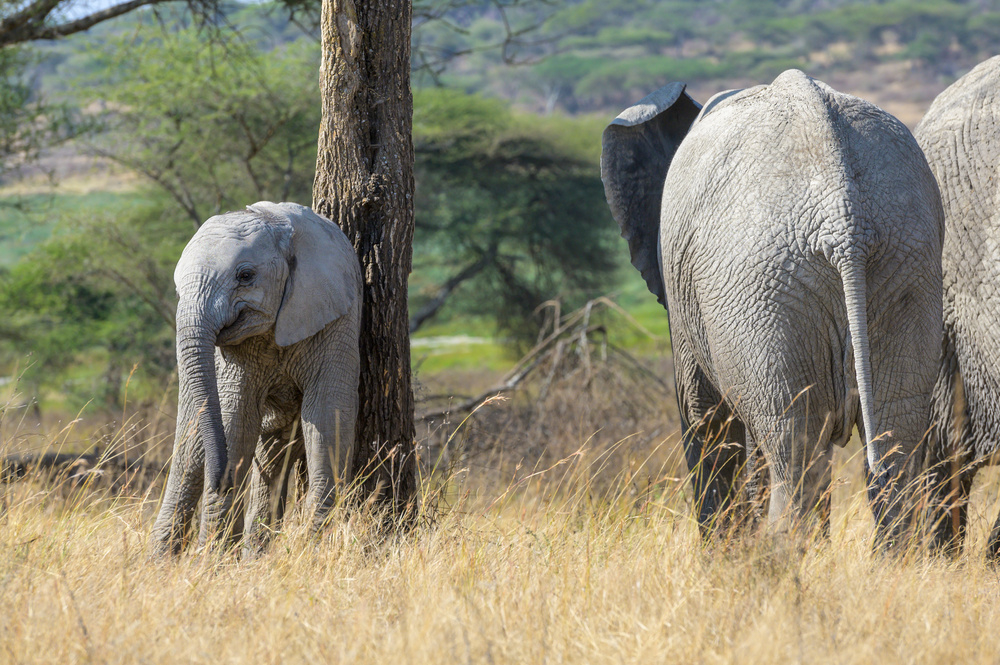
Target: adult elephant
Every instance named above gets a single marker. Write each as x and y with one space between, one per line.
960 136
794 234
268 318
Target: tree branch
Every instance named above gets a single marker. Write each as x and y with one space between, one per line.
468 405
28 19
437 302
29 24
183 198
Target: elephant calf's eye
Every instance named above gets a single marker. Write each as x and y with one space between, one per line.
246 275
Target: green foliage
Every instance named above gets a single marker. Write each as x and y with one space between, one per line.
494 189
445 118
214 123
647 73
15 92
97 293
568 69
618 36
26 221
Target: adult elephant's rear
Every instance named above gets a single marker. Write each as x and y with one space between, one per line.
794 234
961 137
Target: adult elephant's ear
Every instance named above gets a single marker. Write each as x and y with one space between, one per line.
324 276
637 149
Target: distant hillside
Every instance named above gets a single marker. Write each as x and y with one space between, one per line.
599 55
594 55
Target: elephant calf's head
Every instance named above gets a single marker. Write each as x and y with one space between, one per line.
273 266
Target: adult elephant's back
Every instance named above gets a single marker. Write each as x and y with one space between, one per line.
814 189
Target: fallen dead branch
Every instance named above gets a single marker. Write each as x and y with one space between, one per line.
573 386
567 344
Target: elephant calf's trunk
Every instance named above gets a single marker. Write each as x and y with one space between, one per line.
198 389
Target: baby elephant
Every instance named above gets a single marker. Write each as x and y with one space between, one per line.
268 317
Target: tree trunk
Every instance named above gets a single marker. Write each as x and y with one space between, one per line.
364 182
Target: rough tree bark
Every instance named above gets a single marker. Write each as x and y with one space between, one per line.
364 182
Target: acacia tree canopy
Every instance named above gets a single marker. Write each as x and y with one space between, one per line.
508 204
215 124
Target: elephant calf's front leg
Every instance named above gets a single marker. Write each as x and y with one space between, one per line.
184 484
328 431
278 454
241 400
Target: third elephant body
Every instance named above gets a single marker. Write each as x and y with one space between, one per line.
961 137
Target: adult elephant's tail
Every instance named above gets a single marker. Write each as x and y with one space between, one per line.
883 493
852 274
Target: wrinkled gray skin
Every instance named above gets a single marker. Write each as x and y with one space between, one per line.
268 317
794 233
960 136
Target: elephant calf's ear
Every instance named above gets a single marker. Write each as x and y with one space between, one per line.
324 276
637 149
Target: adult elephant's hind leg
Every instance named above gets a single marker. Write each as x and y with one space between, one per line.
715 448
799 455
949 482
949 472
905 365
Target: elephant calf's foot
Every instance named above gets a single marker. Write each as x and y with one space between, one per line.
163 548
321 508
168 536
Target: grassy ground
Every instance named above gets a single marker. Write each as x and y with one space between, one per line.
543 571
554 529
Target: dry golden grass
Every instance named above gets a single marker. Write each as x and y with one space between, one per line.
553 531
547 570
